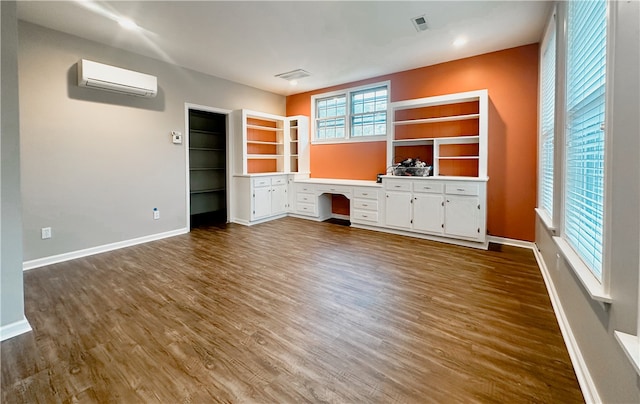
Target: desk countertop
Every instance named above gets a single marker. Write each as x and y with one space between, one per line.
336 181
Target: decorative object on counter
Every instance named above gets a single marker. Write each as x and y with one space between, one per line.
412 167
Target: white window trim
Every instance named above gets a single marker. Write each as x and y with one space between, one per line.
598 289
550 222
347 92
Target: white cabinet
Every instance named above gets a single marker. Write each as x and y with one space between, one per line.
398 210
269 197
463 210
260 198
461 216
365 205
428 213
451 209
261 202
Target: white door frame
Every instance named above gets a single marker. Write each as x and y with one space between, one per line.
227 112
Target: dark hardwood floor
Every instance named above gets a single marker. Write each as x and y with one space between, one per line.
290 311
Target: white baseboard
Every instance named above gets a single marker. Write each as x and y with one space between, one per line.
577 360
14 329
511 242
54 259
339 216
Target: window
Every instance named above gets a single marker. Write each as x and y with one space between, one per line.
330 118
547 116
584 136
354 114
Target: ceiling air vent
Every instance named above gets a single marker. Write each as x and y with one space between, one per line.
294 74
420 23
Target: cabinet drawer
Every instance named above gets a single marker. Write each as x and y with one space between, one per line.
307 198
364 193
365 204
398 185
261 182
462 188
306 208
305 188
428 187
334 189
278 181
364 215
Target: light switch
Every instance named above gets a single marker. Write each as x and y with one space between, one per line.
176 137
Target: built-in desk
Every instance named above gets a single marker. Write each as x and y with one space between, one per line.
311 198
448 209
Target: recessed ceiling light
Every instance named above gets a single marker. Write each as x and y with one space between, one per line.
420 23
128 24
459 41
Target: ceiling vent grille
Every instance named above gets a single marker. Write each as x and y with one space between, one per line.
420 23
294 74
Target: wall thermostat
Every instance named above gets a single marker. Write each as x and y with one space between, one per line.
176 137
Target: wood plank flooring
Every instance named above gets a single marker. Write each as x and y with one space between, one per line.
290 311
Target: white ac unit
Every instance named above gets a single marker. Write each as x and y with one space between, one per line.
110 78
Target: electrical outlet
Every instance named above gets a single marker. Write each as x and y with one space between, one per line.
156 214
45 232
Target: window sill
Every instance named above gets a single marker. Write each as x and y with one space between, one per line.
351 140
589 282
546 220
631 346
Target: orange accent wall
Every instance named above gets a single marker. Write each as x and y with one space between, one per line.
511 78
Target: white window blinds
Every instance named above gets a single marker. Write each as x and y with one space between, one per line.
584 148
547 97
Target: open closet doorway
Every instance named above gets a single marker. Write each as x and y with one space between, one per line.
207 166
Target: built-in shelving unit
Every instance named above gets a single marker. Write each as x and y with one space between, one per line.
207 167
272 144
448 132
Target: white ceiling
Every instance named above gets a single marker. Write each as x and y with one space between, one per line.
336 41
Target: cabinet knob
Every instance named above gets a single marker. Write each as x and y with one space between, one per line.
460 189
365 194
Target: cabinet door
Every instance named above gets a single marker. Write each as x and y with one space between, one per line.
462 216
278 199
428 212
398 209
261 202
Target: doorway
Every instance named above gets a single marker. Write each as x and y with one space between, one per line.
207 167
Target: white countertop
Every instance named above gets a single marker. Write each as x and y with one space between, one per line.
438 178
336 181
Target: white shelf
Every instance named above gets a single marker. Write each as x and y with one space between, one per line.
458 140
474 130
264 142
440 119
264 156
413 142
267 128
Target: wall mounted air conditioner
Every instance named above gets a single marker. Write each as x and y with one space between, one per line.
111 78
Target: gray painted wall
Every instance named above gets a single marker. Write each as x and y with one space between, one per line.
95 164
591 324
11 289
